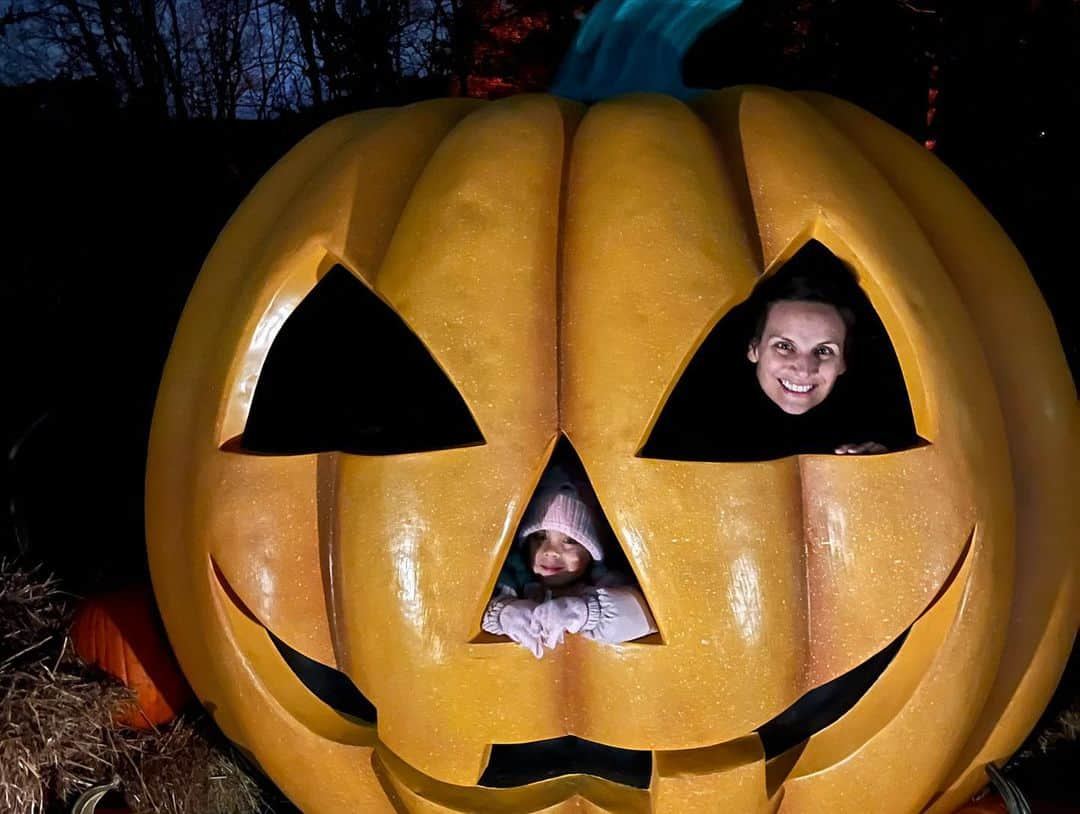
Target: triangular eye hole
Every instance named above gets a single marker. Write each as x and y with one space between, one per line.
345 373
720 411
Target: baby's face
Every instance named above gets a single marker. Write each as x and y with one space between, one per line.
556 558
800 354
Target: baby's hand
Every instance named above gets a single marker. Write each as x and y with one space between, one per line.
516 621
553 618
865 448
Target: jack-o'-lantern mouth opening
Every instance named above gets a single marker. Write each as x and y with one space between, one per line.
513 765
826 704
787 746
330 686
333 688
519 764
557 762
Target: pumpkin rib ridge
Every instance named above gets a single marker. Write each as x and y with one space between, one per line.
808 656
346 156
244 609
729 186
373 283
1028 668
326 469
570 128
286 203
837 742
716 112
279 689
395 238
719 112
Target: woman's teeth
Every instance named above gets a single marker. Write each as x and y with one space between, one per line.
796 388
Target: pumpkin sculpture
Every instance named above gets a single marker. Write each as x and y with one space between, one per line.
118 633
562 264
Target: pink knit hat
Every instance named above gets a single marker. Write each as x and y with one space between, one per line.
558 506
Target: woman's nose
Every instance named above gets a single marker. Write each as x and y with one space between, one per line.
806 364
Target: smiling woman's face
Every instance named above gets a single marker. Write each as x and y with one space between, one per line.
800 354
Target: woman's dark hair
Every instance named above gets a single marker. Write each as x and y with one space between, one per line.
814 274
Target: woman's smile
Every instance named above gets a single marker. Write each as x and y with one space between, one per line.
791 387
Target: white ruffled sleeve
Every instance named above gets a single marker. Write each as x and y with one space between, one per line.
504 595
616 614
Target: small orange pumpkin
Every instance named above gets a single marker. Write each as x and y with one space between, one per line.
119 633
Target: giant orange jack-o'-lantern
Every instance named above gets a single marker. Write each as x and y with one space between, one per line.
561 265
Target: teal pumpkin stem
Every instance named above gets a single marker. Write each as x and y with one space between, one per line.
636 45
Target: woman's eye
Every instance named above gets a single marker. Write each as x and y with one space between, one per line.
784 347
824 351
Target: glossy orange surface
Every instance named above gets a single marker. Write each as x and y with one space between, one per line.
562 265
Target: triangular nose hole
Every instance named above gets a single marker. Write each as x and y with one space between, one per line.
516 570
564 456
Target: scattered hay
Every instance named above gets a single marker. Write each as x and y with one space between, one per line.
59 738
1064 729
58 733
1057 732
56 718
33 610
186 769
